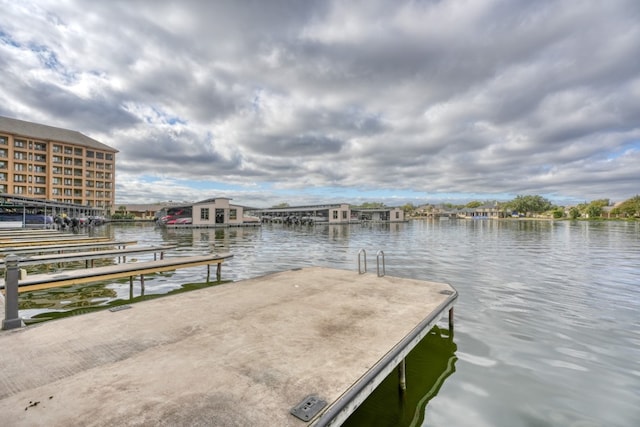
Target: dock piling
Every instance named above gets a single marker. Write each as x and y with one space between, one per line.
12 273
402 375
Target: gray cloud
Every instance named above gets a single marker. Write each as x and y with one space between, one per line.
420 98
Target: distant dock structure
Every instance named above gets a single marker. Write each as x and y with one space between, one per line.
341 213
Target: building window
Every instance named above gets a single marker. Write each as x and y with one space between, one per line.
397 215
19 178
77 151
335 214
99 155
204 214
3 140
90 154
57 170
19 189
3 153
19 155
19 143
18 167
57 148
3 164
3 176
233 214
108 156
344 214
219 216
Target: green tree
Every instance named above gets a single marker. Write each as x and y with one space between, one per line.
629 208
474 204
594 211
574 213
408 208
530 204
371 205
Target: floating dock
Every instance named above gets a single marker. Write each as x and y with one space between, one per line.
298 348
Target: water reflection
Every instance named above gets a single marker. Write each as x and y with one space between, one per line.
428 365
547 323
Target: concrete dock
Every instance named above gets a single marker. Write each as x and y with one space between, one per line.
237 354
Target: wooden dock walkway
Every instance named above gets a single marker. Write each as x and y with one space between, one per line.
35 282
64 247
238 354
89 256
57 240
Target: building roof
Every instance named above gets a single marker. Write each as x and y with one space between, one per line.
49 133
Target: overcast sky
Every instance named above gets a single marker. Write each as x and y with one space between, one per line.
320 101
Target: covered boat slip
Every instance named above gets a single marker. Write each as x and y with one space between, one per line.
244 353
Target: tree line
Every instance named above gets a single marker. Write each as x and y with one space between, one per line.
532 205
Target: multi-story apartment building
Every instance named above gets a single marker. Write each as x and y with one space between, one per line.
51 163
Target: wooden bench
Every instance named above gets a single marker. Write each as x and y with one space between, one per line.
111 272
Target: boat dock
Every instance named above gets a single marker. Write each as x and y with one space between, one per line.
64 247
27 241
90 256
298 348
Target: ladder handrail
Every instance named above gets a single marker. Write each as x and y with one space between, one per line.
378 263
362 251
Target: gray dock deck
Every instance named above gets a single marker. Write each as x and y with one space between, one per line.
237 354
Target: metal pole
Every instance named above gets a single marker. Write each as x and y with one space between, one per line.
219 271
12 273
402 375
451 322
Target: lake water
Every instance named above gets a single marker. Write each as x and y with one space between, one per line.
547 325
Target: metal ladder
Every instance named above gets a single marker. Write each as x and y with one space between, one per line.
362 254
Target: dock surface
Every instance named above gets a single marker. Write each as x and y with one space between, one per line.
236 354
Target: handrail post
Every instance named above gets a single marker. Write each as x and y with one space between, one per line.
12 273
360 271
378 264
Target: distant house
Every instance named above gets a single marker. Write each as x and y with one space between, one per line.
488 211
